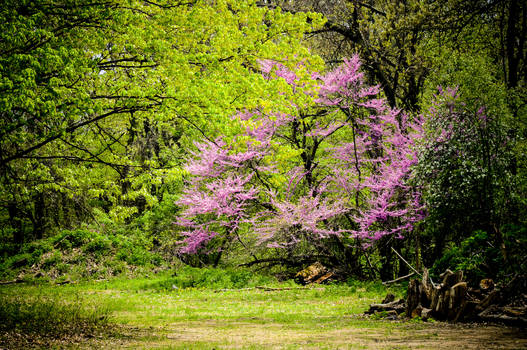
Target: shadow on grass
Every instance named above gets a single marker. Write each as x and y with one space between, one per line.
40 321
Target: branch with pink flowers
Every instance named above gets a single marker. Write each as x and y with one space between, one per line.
352 157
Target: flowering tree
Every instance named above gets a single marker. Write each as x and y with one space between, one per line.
218 192
465 173
334 168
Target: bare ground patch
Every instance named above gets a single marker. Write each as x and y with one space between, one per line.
268 335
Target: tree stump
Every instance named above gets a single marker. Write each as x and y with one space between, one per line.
452 300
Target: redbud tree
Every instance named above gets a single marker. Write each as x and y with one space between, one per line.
321 179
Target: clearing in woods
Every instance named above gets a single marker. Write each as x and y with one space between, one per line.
143 316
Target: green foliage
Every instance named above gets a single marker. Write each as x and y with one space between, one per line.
81 254
215 278
136 255
412 47
379 315
478 85
467 171
515 238
101 101
54 259
159 220
67 239
17 261
30 254
36 249
479 258
491 175
99 245
416 319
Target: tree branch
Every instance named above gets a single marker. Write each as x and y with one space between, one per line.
70 129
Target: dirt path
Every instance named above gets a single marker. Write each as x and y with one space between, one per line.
253 334
240 335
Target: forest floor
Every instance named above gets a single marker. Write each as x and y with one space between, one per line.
143 316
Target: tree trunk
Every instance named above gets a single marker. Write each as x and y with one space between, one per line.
16 223
39 216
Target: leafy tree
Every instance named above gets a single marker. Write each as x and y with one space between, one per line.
100 99
387 35
465 173
317 182
475 52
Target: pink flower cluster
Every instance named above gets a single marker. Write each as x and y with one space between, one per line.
356 161
216 190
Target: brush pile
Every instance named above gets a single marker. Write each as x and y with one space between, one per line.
453 300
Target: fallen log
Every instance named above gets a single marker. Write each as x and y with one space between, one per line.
388 299
311 273
315 273
398 306
509 316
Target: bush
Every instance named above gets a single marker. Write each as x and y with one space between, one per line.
52 260
63 268
36 249
116 267
71 251
137 255
67 239
479 258
7 248
98 245
19 261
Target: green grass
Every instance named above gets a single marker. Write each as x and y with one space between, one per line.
35 319
147 314
50 315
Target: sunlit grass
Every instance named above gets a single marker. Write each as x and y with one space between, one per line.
320 317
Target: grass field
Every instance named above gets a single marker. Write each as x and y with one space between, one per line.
152 313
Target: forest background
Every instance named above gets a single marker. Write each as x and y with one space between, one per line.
137 135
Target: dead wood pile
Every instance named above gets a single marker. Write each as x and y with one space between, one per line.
453 300
315 273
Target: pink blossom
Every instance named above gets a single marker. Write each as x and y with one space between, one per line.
349 165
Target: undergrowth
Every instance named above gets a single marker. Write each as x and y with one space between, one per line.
81 254
211 278
51 317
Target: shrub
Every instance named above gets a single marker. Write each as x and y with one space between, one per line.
52 259
479 258
98 245
72 251
67 239
62 267
36 249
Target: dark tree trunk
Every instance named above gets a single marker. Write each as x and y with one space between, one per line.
39 216
386 255
16 223
514 43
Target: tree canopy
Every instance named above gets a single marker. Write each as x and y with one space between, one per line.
100 99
